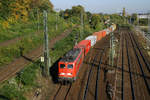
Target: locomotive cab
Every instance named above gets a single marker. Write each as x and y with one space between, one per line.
67 68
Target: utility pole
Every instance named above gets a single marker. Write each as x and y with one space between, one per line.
46 48
130 20
149 22
81 30
57 18
148 44
138 21
76 39
71 22
63 18
38 20
112 51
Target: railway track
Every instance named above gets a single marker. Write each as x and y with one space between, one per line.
97 77
136 80
122 89
120 73
62 92
138 87
141 54
129 66
139 62
132 80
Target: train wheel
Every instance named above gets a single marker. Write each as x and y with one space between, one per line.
64 82
61 82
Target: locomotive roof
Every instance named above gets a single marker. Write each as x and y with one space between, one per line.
71 55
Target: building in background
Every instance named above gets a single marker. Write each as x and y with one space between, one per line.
142 15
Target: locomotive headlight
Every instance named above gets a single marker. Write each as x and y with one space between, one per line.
69 73
62 74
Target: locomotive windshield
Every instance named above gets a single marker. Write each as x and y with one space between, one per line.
62 65
70 66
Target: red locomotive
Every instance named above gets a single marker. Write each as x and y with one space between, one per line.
70 64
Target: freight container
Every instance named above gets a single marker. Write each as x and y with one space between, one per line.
85 45
92 39
107 31
99 35
110 29
104 33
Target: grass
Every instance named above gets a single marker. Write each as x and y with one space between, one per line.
30 39
31 27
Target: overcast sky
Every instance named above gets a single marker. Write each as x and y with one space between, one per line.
105 6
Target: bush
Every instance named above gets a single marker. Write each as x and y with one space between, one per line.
11 92
28 75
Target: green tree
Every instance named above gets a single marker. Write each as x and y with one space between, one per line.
117 19
67 13
77 10
13 10
124 12
134 19
95 20
6 8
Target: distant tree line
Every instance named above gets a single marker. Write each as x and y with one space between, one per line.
96 21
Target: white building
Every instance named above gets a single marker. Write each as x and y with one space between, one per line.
142 16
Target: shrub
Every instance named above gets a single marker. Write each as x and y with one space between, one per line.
28 75
11 92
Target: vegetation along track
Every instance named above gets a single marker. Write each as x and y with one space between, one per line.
11 69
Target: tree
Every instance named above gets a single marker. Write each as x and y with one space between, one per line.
95 20
134 19
117 19
67 13
45 5
89 16
124 12
21 9
6 8
77 10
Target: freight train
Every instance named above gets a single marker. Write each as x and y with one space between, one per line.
69 65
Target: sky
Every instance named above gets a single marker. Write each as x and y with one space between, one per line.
105 6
